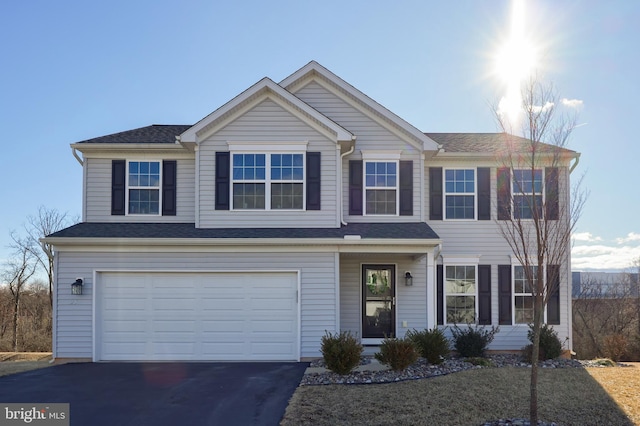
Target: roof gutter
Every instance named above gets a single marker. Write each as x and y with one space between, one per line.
575 163
75 154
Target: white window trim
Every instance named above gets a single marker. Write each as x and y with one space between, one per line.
514 294
267 180
514 194
365 187
471 260
128 188
475 194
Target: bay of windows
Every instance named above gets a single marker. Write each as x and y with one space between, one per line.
268 181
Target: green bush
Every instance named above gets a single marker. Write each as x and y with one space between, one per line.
472 342
431 344
527 353
341 352
550 345
397 353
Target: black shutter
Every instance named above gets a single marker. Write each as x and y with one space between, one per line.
355 187
118 186
551 193
504 193
169 170
435 193
440 294
553 286
313 181
484 193
406 188
504 294
484 294
223 174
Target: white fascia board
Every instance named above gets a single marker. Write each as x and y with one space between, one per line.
369 245
95 147
268 85
313 67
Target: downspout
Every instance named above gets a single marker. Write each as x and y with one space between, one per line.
575 163
75 154
341 186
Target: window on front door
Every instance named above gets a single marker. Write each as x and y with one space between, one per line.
381 187
378 301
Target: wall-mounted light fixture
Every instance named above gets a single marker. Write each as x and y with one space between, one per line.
76 287
408 279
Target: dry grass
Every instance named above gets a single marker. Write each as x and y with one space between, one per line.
17 362
623 384
566 396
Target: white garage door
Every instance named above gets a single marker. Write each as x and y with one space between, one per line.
196 316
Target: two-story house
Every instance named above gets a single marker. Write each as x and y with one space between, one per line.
296 208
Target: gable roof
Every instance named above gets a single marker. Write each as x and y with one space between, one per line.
489 143
269 89
313 70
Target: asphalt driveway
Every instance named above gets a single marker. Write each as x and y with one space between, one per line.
240 393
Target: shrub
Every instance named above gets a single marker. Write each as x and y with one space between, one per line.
550 345
431 344
341 352
527 353
397 353
472 342
615 346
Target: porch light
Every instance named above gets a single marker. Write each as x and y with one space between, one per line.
76 287
408 279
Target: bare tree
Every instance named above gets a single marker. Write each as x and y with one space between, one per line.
538 225
46 222
17 272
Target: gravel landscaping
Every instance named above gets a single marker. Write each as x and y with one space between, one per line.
422 369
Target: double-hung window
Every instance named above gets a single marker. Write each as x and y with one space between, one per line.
381 187
523 293
460 294
143 187
527 193
460 193
262 181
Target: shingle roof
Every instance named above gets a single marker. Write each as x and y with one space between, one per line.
486 142
156 133
188 230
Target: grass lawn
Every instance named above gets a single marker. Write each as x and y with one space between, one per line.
572 396
17 362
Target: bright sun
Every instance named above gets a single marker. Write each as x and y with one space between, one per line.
514 62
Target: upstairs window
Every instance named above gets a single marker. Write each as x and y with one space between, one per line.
527 193
143 187
460 193
268 181
381 187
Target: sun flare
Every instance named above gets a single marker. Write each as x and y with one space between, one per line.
514 62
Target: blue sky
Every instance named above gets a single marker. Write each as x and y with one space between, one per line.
73 70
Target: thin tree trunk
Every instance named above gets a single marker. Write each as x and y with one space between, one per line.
14 336
535 354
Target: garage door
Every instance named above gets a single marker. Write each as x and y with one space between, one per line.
196 316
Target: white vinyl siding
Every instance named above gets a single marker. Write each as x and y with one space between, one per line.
98 194
74 315
269 124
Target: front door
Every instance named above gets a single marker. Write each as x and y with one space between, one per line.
378 301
